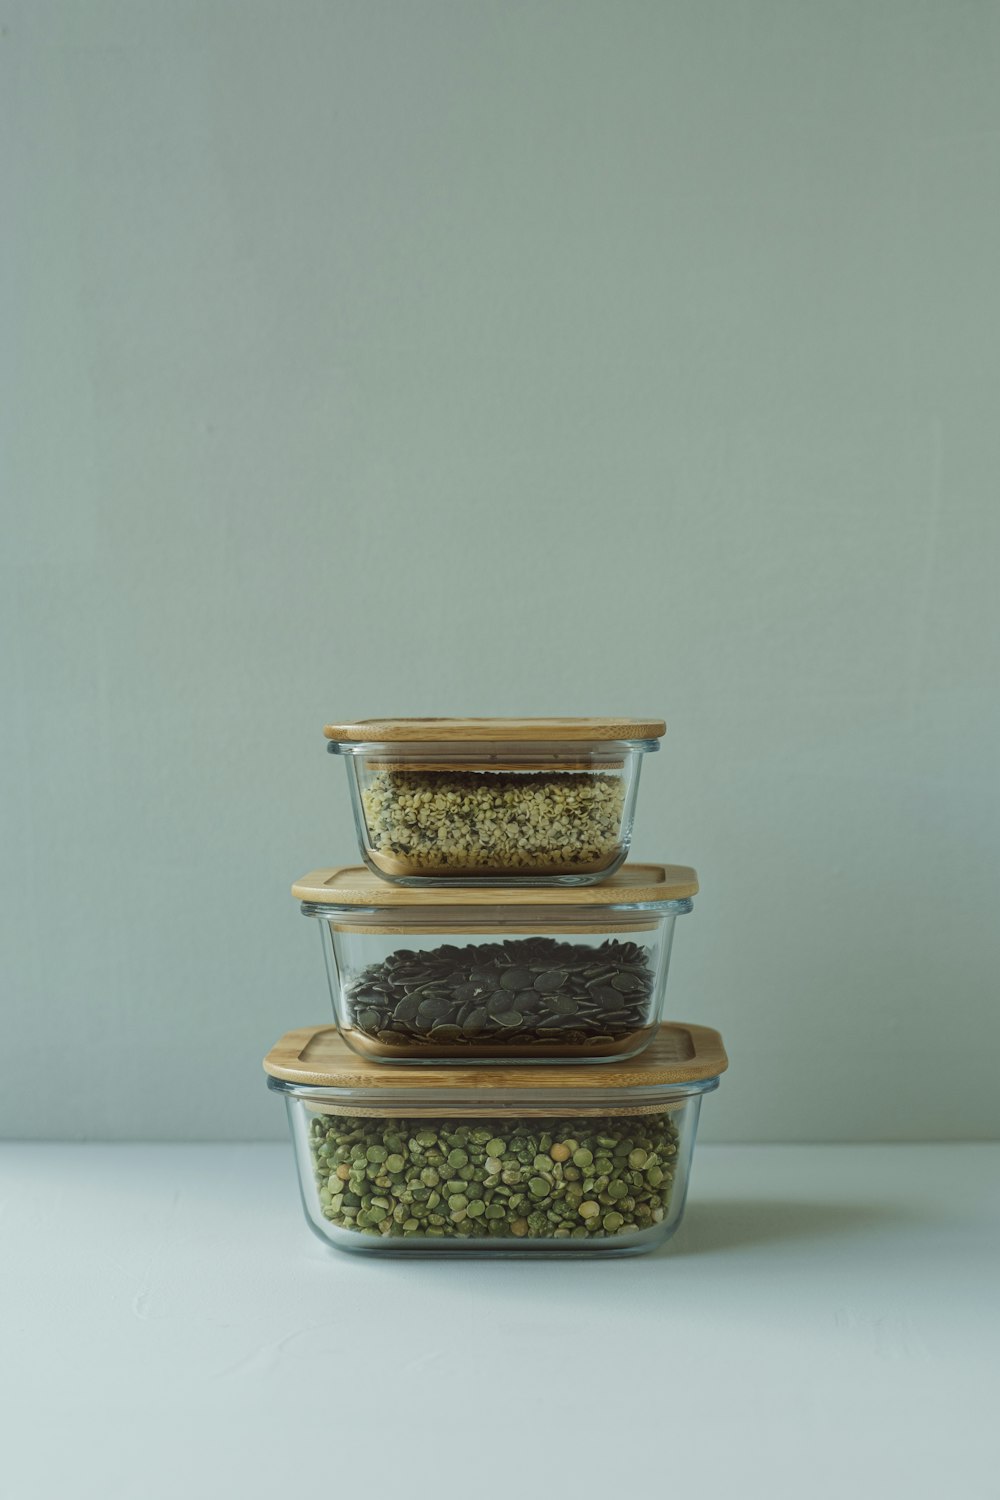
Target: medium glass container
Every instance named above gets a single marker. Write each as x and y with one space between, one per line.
568 974
491 801
539 1161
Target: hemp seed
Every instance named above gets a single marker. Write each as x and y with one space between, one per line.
475 822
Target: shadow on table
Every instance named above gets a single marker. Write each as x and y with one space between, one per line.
710 1228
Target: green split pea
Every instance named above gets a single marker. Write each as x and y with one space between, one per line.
527 1179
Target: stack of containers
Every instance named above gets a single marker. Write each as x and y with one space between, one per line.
499 1078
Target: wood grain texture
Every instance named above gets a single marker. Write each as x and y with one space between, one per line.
318 1056
544 926
357 886
497 731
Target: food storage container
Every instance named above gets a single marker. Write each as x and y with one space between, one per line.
494 800
524 1160
570 973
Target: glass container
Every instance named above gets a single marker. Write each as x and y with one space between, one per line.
536 1161
491 801
571 973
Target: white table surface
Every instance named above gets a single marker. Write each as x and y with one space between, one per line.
825 1323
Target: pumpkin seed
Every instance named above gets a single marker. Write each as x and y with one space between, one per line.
492 995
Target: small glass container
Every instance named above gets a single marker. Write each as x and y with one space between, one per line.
535 1161
569 973
490 801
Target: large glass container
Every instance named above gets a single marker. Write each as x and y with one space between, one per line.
490 801
571 974
561 1160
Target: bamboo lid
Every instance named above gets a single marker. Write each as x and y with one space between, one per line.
633 883
495 731
318 1056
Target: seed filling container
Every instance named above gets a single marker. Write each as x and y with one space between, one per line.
542 975
486 801
520 1160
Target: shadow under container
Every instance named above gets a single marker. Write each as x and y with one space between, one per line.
530 1161
569 974
494 800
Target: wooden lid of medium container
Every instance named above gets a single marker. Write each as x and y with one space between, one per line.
318 1056
496 731
633 883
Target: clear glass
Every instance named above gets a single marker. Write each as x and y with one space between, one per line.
542 813
517 1173
492 984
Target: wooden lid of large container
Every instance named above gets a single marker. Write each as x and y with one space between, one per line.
633 883
318 1056
495 731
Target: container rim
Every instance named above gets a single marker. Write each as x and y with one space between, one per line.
480 749
508 1100
509 915
551 729
680 1054
632 886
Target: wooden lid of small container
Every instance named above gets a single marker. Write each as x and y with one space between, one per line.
317 1056
494 731
633 883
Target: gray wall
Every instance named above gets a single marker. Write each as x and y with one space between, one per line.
370 358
